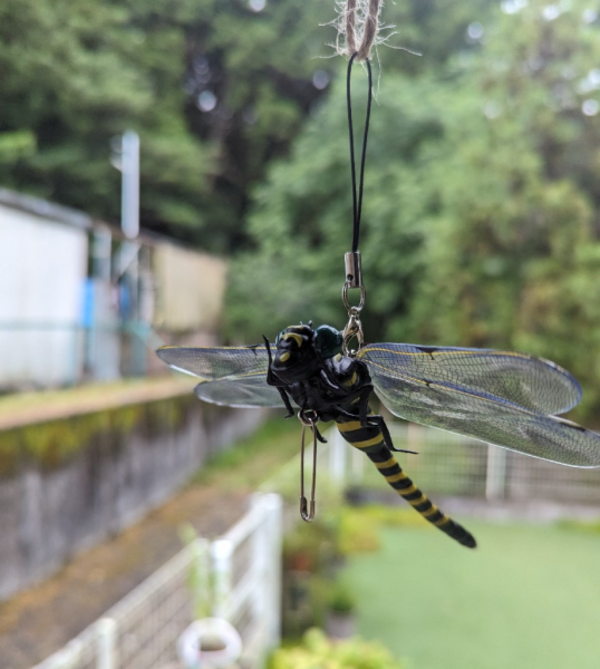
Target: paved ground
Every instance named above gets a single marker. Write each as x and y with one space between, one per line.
42 619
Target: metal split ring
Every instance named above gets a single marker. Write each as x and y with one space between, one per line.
363 297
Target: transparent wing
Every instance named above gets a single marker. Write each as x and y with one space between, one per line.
231 376
251 391
533 383
216 363
471 409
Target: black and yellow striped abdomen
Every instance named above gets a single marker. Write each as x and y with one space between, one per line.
371 441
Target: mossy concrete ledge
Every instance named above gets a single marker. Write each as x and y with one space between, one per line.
78 466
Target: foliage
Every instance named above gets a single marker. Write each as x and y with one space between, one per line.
77 73
317 651
311 547
360 526
341 597
302 219
513 225
586 526
310 561
479 224
313 554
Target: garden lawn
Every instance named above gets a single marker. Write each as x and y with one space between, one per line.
527 598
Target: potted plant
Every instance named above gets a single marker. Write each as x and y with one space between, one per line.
340 616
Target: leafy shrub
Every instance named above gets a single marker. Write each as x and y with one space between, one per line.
310 558
316 651
588 526
341 598
359 526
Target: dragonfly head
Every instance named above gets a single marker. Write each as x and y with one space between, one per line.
301 349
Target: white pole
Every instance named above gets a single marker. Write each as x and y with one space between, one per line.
106 649
130 184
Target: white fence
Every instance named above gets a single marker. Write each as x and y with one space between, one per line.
449 465
237 578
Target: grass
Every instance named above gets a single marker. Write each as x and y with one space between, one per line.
528 597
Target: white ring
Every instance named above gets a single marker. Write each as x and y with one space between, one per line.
189 644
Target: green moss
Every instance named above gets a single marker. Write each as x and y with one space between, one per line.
165 415
9 453
51 444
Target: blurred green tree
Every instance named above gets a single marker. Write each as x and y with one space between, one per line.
481 190
511 251
215 90
301 218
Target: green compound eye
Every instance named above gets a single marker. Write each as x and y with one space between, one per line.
328 341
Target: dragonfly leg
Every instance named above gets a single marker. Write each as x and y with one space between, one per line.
379 421
286 402
372 420
272 380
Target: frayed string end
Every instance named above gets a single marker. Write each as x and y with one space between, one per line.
358 26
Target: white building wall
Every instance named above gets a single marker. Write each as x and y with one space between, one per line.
43 266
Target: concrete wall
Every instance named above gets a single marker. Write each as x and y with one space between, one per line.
68 484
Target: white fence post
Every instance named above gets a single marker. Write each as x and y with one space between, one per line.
495 480
337 456
273 533
221 552
259 558
106 657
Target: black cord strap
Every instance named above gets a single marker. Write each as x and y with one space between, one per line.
357 195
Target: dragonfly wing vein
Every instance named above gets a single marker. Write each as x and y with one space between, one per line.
249 392
533 383
210 364
472 414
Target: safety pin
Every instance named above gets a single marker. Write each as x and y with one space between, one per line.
305 514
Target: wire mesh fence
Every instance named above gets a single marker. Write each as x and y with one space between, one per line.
450 465
235 577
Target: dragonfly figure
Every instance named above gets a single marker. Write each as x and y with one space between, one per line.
503 398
